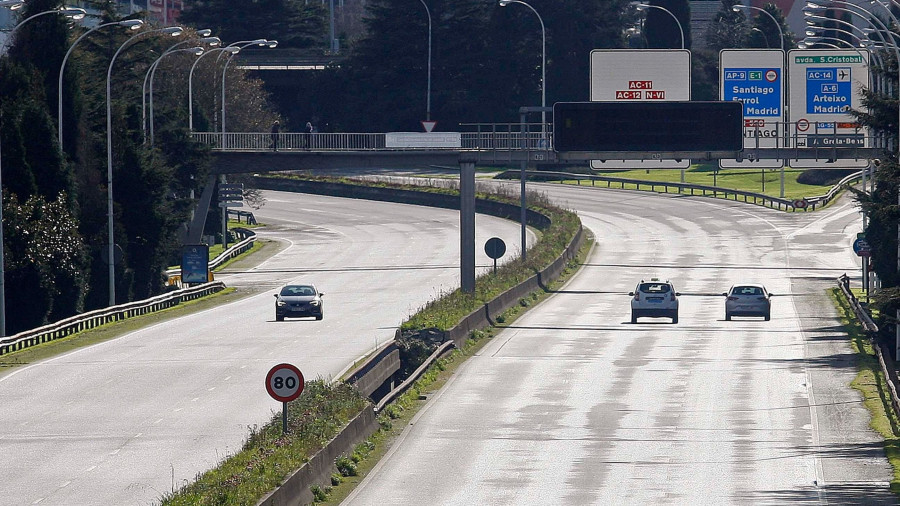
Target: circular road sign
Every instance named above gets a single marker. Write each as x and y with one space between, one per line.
803 124
862 248
495 247
284 382
800 203
771 75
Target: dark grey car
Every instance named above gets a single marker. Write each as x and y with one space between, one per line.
748 300
294 301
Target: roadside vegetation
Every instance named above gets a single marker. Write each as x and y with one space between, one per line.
872 385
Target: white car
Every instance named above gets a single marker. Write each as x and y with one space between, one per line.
654 298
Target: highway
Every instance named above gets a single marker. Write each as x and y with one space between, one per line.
129 420
573 404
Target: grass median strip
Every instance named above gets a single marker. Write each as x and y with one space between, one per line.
872 385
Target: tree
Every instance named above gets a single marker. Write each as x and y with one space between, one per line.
293 23
662 30
727 30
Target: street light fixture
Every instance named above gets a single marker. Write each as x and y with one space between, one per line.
111 247
765 37
640 7
265 43
740 7
71 13
131 24
229 49
239 44
428 92
212 41
504 3
196 51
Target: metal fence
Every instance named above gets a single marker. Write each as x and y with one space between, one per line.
96 318
336 142
808 203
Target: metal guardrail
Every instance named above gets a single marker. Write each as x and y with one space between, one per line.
888 366
96 318
249 238
86 321
748 197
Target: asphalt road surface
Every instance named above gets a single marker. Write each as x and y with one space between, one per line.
126 421
575 405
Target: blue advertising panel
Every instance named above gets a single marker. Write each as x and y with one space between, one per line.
828 90
759 89
195 263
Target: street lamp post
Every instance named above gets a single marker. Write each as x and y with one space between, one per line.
72 13
111 247
428 92
131 24
504 3
196 51
239 44
639 6
740 7
765 37
148 81
267 43
229 49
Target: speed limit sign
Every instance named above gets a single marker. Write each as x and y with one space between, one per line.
284 382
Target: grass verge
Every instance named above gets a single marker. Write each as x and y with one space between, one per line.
731 179
872 385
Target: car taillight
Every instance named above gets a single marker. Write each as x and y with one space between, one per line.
672 297
637 295
732 298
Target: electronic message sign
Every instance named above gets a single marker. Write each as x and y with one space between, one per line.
635 75
825 86
592 127
756 79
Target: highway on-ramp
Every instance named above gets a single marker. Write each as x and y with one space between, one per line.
128 420
574 404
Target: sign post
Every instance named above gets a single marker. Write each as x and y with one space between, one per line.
495 248
284 383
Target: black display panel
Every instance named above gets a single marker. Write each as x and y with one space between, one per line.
648 126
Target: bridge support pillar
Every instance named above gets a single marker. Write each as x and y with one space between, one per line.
467 225
195 231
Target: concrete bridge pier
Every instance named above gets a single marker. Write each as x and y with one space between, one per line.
467 223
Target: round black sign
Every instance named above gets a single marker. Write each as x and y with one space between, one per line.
495 247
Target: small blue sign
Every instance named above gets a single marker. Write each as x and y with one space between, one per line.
759 89
195 263
828 90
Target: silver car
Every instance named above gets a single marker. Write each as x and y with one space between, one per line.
748 300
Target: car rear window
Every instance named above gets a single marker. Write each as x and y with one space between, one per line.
747 290
655 288
298 290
